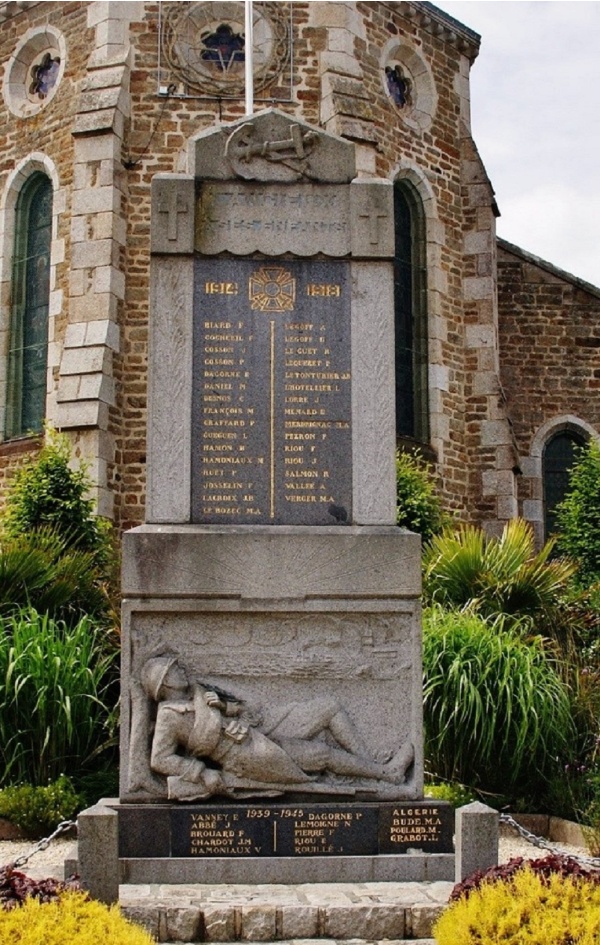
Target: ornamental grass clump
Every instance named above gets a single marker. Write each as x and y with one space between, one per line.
73 919
57 711
528 909
497 710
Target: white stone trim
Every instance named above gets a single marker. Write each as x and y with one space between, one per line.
33 163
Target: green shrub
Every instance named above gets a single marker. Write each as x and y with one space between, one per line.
72 920
529 909
55 697
496 708
418 506
39 570
578 516
47 492
39 810
456 794
46 497
491 576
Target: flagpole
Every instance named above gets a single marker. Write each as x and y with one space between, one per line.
248 57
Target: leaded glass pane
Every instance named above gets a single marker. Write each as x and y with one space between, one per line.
26 400
410 320
559 456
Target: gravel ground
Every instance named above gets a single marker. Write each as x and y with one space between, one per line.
50 862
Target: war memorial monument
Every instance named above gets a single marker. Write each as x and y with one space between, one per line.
271 677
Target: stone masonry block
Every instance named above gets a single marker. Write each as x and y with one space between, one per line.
486 383
92 253
422 920
183 923
495 433
507 507
505 482
478 241
104 78
147 918
439 377
372 218
531 466
90 123
68 388
489 480
93 306
341 40
477 829
97 387
219 923
103 332
478 287
98 852
86 360
109 279
173 201
533 510
258 923
372 923
299 922
87 413
96 200
480 336
96 148
332 61
55 306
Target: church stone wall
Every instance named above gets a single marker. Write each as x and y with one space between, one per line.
549 340
108 132
24 143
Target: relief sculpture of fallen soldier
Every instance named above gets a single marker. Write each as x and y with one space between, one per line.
206 744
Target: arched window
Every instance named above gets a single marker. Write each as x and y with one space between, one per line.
412 412
28 345
558 457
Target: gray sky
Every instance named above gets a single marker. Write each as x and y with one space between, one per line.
535 103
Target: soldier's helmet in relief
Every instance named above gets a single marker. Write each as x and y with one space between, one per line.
153 674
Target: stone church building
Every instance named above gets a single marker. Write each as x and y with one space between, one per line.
497 369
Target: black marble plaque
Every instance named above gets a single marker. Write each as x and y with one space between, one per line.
236 830
422 825
271 429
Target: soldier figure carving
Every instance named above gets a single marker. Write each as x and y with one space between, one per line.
207 744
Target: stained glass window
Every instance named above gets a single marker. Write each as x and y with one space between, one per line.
559 456
44 76
412 415
28 349
223 48
398 86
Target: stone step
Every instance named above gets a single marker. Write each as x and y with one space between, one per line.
345 941
334 912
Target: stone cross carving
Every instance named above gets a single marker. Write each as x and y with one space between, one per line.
373 217
172 203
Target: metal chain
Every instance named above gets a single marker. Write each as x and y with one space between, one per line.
594 862
42 844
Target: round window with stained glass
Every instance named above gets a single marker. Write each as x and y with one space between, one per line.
34 71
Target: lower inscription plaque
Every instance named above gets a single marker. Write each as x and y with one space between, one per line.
230 830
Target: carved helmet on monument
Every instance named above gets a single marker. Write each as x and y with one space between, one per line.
154 672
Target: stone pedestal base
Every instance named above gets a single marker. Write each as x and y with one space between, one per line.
313 632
